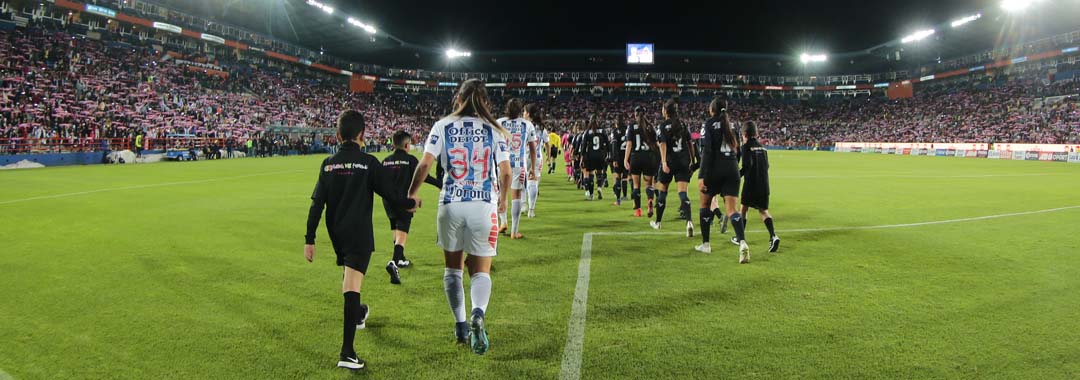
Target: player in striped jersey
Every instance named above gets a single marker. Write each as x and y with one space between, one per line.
522 161
533 115
472 146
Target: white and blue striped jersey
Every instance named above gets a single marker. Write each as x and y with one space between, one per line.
522 132
470 151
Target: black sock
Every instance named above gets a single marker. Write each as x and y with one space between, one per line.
589 184
739 224
636 194
661 204
705 219
352 316
399 252
616 188
625 187
717 213
769 225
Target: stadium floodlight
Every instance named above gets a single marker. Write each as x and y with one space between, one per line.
811 58
1017 6
367 27
917 36
454 53
325 8
961 21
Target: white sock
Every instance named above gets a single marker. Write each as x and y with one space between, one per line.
502 219
533 189
455 293
480 291
515 215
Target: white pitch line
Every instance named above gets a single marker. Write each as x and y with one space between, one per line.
136 187
910 176
575 335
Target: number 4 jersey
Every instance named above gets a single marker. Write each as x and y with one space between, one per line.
470 150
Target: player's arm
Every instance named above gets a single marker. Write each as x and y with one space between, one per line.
502 158
706 153
747 161
661 141
318 202
626 154
432 148
386 189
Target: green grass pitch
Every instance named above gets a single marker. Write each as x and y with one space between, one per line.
196 271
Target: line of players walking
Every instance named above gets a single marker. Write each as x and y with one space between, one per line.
652 156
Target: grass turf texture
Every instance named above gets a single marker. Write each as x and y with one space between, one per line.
195 270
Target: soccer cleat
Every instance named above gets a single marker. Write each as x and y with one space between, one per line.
517 236
734 240
502 229
689 229
477 334
461 332
655 225
723 223
774 244
404 263
362 323
637 212
350 362
532 214
600 195
704 248
744 252
392 269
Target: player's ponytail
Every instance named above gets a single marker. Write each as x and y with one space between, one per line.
513 108
718 108
648 133
472 100
536 115
671 109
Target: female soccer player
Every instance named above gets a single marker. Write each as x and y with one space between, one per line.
594 147
719 175
567 141
618 151
522 161
467 143
534 116
755 173
676 156
640 159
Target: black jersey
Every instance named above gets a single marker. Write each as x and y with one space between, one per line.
717 148
594 141
347 182
618 142
677 143
635 136
755 167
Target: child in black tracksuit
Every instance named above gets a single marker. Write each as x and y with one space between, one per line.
755 174
347 182
400 166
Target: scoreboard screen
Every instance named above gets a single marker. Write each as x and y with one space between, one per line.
639 54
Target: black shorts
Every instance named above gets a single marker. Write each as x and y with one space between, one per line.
679 172
723 181
553 152
755 200
643 164
400 221
594 161
357 261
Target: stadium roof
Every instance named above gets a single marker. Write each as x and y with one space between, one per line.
755 37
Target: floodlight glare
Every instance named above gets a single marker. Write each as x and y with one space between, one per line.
325 8
922 34
959 22
1016 5
357 23
808 58
454 53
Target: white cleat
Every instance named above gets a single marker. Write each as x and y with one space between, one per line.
655 225
704 248
588 196
689 229
532 214
744 252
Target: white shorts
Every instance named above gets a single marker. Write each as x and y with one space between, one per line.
518 178
472 227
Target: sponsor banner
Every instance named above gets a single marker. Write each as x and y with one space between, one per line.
1060 156
99 10
972 153
917 145
1031 156
991 154
197 64
1037 147
922 152
1074 158
212 38
1019 155
890 151
940 152
167 27
982 154
960 153
950 152
906 151
856 149
1045 156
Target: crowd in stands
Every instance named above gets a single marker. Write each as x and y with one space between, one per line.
71 91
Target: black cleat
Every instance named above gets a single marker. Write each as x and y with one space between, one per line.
395 277
362 323
351 362
774 244
461 332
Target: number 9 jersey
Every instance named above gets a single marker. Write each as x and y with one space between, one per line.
470 150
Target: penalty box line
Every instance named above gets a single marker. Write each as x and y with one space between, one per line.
137 187
575 334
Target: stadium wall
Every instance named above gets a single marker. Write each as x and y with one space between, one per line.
1004 151
54 159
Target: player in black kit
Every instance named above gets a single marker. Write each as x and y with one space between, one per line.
400 166
594 147
755 173
618 151
640 158
676 155
719 175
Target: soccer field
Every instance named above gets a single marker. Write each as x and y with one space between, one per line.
891 267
